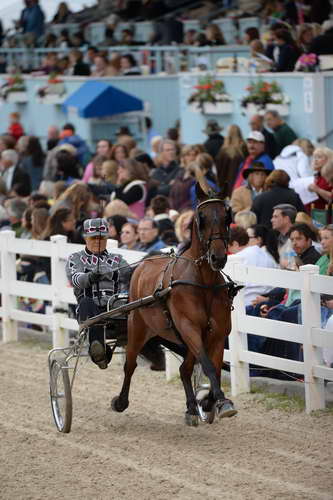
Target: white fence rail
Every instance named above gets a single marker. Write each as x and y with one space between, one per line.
309 333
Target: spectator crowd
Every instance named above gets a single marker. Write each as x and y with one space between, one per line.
279 187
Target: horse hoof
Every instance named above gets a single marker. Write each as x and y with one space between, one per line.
225 409
117 406
191 420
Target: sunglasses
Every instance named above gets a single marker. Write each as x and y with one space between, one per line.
100 229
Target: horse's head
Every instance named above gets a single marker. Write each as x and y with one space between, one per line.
212 221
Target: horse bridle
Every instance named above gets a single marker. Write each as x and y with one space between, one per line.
206 244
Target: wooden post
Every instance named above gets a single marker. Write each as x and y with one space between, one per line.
311 318
239 371
172 364
8 275
59 335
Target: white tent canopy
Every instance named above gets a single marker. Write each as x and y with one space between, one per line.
10 10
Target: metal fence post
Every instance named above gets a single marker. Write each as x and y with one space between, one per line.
314 387
239 371
59 335
8 275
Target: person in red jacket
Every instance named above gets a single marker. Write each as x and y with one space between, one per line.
15 128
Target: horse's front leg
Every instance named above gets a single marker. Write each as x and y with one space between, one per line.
186 370
136 340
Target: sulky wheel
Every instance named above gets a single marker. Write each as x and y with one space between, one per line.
61 396
201 391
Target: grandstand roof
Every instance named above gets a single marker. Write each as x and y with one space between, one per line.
96 99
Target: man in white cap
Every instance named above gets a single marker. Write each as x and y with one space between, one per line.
96 275
256 147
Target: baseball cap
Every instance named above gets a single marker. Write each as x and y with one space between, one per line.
96 227
256 136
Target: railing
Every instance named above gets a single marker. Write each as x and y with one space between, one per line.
309 333
156 59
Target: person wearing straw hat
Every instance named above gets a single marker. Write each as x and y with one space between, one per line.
215 139
96 276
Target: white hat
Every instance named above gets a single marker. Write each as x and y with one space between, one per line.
256 136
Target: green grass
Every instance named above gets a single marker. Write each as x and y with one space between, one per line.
277 401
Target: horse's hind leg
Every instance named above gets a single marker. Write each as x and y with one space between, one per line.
136 340
185 370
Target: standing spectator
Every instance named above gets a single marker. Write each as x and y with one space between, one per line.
68 136
276 192
15 128
230 156
168 169
255 176
63 14
53 137
215 140
257 124
129 66
148 235
32 159
167 32
324 190
32 21
283 134
12 174
256 147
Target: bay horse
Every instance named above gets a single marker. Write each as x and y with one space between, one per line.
195 311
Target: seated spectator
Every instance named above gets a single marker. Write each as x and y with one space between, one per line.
214 35
68 168
7 142
109 171
128 65
256 148
168 169
283 134
77 199
203 173
255 177
230 156
245 219
129 236
148 235
50 172
160 211
114 66
127 38
63 14
97 176
15 128
100 66
180 196
78 40
326 240
323 44
15 208
183 228
119 153
116 223
256 63
89 57
252 255
76 65
276 192
190 37
103 148
127 141
215 140
26 224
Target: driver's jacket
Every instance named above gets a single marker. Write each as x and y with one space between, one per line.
79 264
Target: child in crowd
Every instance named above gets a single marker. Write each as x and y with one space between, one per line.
15 128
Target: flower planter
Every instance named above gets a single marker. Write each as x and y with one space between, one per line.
254 109
194 107
19 96
52 99
219 108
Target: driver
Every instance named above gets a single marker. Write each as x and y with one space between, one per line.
95 276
